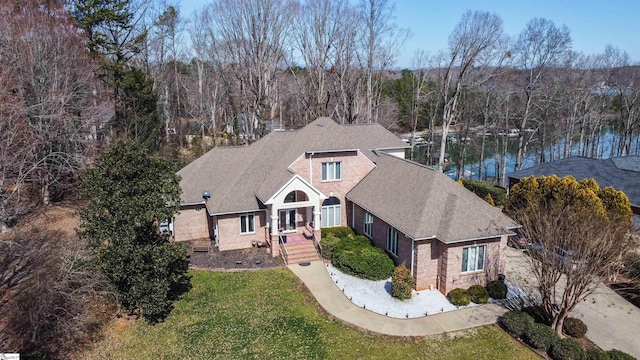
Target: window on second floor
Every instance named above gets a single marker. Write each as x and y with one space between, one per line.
331 170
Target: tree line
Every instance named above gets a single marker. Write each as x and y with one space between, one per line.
234 70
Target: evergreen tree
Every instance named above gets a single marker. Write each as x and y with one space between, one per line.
115 38
130 194
136 111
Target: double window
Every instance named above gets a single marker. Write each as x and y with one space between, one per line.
247 224
392 241
368 224
331 171
473 258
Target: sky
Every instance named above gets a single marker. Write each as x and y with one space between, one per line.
593 23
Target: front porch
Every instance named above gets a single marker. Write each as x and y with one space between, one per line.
294 226
297 247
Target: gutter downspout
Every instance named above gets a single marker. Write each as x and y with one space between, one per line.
311 168
353 212
413 252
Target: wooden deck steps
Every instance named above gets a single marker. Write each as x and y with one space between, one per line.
301 251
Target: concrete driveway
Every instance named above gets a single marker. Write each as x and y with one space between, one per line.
613 322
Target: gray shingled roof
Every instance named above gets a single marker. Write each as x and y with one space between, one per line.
622 173
241 178
424 203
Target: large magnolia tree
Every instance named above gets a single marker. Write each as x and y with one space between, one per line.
131 192
579 233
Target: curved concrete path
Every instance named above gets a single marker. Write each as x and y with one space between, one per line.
318 281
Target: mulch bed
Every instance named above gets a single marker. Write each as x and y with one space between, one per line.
252 258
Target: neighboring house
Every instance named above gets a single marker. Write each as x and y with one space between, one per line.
621 173
289 184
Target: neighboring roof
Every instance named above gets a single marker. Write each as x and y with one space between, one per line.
424 203
242 178
621 173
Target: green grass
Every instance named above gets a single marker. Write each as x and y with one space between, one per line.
268 314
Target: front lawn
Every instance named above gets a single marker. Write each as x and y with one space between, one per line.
268 314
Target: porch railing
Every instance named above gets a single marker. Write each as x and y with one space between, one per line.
267 236
283 250
316 243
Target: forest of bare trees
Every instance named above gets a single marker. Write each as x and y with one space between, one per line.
234 70
79 73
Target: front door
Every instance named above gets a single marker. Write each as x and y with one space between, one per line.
287 220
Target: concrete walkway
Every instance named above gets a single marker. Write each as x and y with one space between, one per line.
613 322
319 282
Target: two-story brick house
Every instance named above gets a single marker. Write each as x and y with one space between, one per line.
326 174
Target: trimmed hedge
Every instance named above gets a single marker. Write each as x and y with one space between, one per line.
352 242
538 314
574 327
331 244
339 232
328 243
402 282
516 322
566 349
616 354
497 289
459 297
482 189
540 336
365 262
596 354
479 294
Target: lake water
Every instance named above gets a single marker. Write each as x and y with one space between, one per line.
471 168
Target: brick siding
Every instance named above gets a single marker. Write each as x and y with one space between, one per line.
229 237
436 265
192 224
355 166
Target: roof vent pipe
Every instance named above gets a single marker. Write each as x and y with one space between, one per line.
206 194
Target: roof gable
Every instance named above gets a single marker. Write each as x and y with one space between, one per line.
243 178
424 203
296 183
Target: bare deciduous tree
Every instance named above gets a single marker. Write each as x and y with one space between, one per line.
50 293
472 43
380 42
578 233
540 46
251 40
52 102
319 26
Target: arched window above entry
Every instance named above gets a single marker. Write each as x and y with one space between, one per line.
331 212
296 196
331 201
